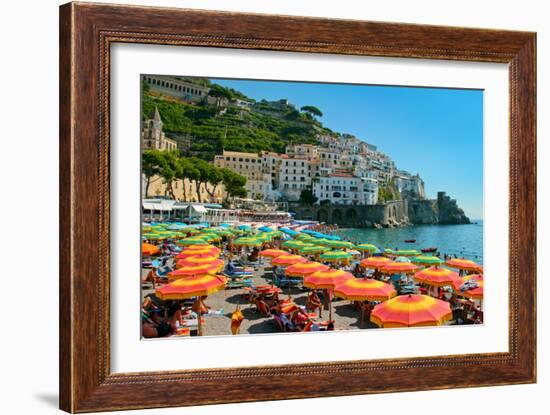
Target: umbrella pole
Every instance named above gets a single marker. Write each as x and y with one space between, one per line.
330 307
199 318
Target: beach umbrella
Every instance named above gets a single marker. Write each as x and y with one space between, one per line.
304 268
245 228
399 268
293 244
464 264
365 289
338 244
148 249
471 286
436 276
182 289
406 252
247 241
288 231
313 249
389 252
192 241
285 260
335 256
375 262
194 250
305 237
327 280
412 310
193 270
200 260
366 248
272 253
426 260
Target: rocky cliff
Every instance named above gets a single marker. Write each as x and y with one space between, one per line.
442 210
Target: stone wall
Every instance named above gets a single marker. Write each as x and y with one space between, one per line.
448 210
389 214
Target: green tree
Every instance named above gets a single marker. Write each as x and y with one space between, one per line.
234 184
169 170
307 197
310 109
151 165
187 171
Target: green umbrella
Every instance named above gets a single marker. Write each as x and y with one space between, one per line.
294 244
192 241
304 237
313 249
427 260
406 252
338 244
366 248
335 256
247 242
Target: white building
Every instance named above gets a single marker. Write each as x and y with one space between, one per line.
341 188
408 184
295 175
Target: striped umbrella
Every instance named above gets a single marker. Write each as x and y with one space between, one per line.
272 253
192 287
148 249
365 289
335 256
305 268
327 280
285 260
366 248
427 260
195 240
193 270
399 268
247 241
200 260
465 264
339 244
199 250
436 276
412 310
293 244
471 286
375 262
313 249
406 252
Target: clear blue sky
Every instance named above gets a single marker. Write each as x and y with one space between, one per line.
432 131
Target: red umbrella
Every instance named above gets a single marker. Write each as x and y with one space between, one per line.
436 276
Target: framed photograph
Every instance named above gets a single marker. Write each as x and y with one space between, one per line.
260 207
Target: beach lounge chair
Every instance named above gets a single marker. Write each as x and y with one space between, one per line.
284 281
262 307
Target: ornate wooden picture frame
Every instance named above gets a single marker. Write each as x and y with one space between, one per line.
87 32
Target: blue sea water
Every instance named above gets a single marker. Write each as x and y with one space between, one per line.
464 241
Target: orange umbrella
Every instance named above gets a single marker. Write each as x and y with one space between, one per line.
199 260
305 268
412 310
365 289
148 249
192 287
193 270
375 262
272 253
284 260
465 264
399 268
436 276
326 280
202 250
460 287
